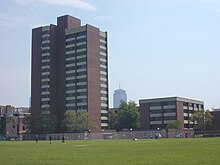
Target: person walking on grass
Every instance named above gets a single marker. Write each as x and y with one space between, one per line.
36 138
63 139
50 138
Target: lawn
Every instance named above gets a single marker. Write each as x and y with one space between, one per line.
199 151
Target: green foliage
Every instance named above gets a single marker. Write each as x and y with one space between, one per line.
179 151
202 119
5 119
27 122
173 124
113 119
127 117
76 121
48 123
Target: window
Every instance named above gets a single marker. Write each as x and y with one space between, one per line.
70 49
81 47
45 57
70 88
70 42
81 40
81 33
45 83
69 55
70 94
70 101
71 108
103 38
45 76
81 80
44 96
70 81
70 74
45 102
70 68
103 50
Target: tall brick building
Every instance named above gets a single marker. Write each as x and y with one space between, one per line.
69 72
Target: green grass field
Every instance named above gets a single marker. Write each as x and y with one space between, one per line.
198 151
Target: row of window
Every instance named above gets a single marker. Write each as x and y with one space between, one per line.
103 69
103 63
76 108
46 45
45 63
103 57
45 102
104 89
162 111
76 74
103 50
76 94
45 70
103 38
45 57
76 81
45 38
76 41
163 118
45 96
45 32
76 54
103 44
75 48
76 61
75 67
76 87
45 89
162 103
45 76
104 82
75 35
104 114
45 83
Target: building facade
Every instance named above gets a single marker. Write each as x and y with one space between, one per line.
119 96
157 113
11 119
69 72
215 120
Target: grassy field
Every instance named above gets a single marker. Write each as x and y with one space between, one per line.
97 152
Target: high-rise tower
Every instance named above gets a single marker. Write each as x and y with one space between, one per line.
119 96
69 72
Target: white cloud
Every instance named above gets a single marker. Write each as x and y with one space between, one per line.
81 4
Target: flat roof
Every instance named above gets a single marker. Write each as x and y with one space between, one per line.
166 99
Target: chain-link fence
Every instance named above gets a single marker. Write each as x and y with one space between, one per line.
102 135
108 135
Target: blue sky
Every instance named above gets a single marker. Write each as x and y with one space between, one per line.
156 47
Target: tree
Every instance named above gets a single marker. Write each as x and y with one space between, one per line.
48 123
173 124
113 119
202 119
4 120
127 117
27 122
76 121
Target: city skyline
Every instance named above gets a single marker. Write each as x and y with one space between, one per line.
156 48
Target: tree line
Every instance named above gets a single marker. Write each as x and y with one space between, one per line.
126 117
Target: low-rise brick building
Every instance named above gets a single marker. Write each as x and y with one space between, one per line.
11 121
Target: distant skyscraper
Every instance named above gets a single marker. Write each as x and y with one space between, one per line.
69 72
119 96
